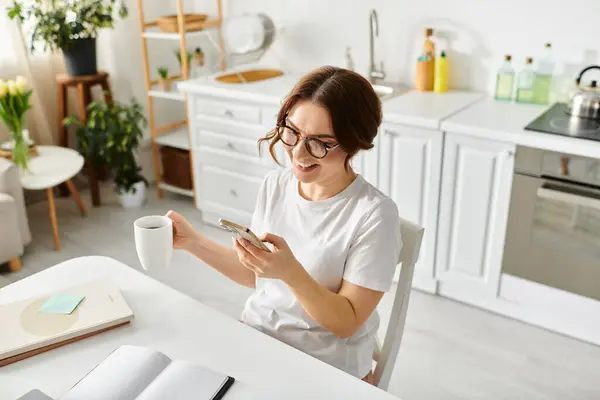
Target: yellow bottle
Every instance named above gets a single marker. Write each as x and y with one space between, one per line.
440 80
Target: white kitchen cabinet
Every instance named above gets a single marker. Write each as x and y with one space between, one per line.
409 173
366 163
475 195
228 169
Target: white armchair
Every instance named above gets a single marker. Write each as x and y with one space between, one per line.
14 227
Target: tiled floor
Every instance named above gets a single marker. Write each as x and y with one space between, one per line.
450 351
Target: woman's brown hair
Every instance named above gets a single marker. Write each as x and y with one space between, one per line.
353 106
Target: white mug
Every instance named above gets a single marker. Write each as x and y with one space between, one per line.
154 241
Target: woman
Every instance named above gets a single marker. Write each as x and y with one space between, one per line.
335 238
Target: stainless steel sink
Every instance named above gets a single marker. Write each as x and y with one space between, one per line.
387 90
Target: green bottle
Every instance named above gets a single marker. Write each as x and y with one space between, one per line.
505 81
543 77
525 83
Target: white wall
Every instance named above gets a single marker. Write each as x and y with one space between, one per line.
477 33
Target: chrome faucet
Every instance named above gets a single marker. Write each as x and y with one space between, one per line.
374 73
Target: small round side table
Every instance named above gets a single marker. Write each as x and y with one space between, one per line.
54 165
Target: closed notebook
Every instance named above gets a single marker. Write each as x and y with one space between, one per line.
140 373
38 322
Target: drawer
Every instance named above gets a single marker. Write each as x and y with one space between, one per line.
224 188
218 141
231 128
228 110
229 162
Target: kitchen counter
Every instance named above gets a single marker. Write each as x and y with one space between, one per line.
427 109
269 91
505 122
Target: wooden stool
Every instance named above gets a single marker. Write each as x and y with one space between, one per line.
84 85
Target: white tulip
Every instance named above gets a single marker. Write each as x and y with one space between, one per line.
12 88
21 83
3 88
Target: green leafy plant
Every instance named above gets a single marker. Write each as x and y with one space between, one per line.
58 23
14 103
110 137
163 72
180 59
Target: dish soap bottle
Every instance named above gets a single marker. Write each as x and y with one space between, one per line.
525 83
504 81
440 80
349 60
429 46
543 77
425 64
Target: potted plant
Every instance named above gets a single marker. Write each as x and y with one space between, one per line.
163 79
111 136
14 103
70 26
180 59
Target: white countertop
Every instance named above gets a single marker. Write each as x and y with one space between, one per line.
426 109
505 122
269 91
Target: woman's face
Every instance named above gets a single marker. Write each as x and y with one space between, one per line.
312 121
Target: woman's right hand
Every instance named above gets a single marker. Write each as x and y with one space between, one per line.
184 235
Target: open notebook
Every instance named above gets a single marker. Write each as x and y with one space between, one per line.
132 372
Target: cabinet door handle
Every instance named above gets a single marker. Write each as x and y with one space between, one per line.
233 192
510 153
229 113
230 146
392 133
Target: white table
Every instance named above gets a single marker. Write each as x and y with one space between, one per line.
182 328
54 165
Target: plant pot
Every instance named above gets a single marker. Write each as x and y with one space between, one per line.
80 58
131 199
165 84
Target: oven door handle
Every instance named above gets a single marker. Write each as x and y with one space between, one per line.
582 198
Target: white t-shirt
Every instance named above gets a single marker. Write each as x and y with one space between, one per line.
354 236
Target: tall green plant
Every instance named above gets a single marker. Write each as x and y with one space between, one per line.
110 137
58 23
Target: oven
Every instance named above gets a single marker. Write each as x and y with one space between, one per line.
553 232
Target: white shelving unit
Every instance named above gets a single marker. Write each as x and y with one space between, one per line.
176 134
175 189
167 95
177 139
172 36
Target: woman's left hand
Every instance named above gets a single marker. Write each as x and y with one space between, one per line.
278 264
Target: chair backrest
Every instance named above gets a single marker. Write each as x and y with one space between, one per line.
412 236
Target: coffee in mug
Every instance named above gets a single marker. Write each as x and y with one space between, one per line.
154 241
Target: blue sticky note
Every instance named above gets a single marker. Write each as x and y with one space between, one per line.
61 304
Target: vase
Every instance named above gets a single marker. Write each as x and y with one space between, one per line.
80 58
20 151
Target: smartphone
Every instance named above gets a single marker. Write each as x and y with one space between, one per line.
239 231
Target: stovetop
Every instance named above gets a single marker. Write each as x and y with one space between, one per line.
557 121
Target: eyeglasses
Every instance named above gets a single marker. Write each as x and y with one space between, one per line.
314 146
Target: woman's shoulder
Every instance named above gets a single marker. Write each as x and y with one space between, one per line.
277 179
375 203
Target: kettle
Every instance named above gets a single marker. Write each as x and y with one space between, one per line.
585 103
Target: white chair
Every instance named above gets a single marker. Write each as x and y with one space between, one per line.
412 236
